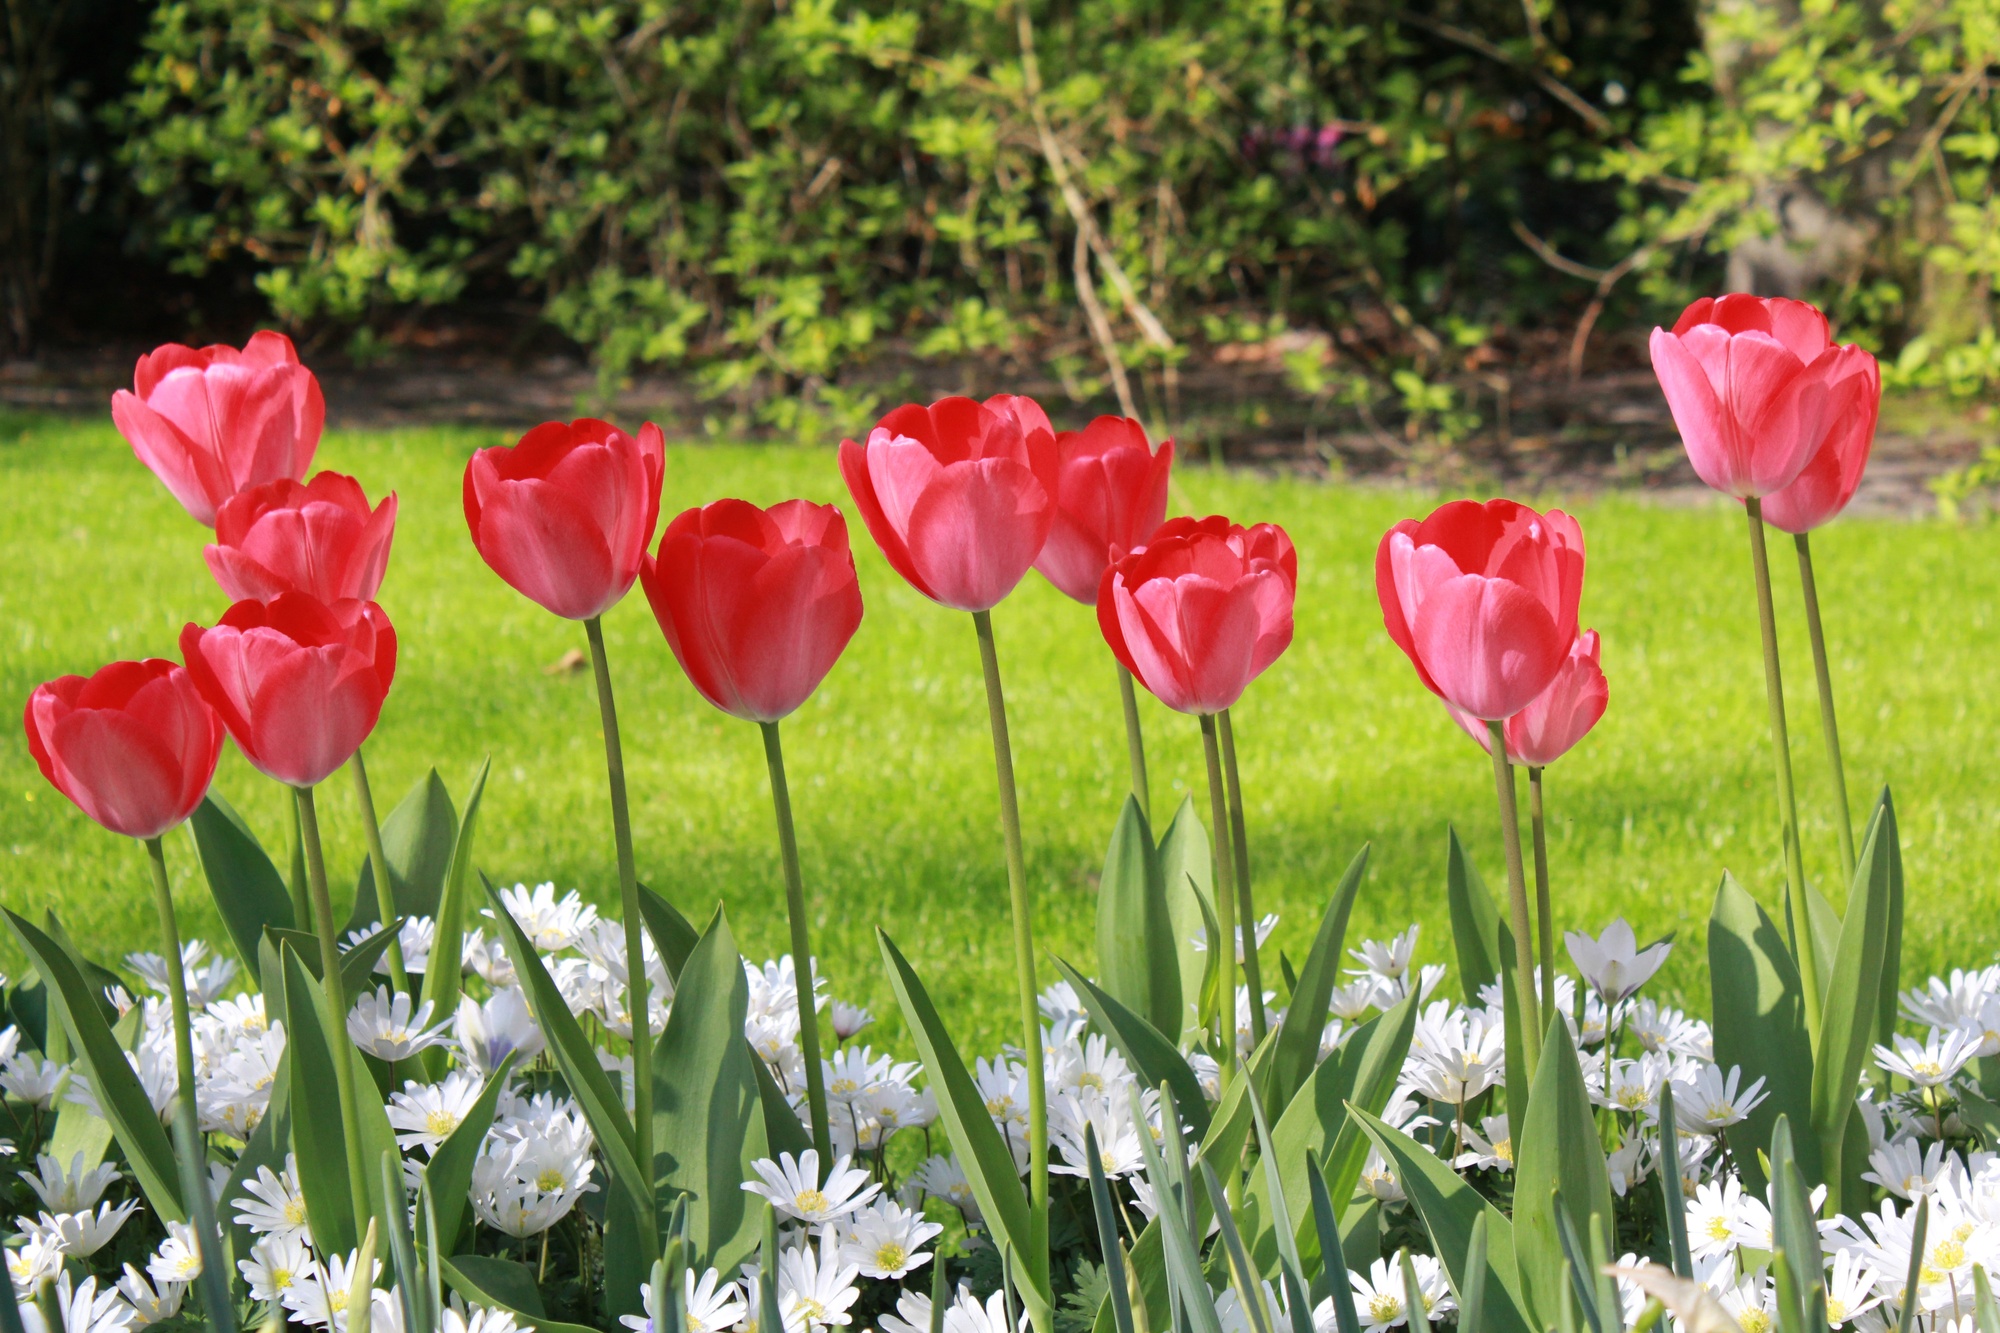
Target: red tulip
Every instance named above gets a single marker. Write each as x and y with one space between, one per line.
959 495
213 421
565 515
1483 599
134 745
1111 493
319 538
298 682
1559 717
1833 474
1749 382
1201 610
757 604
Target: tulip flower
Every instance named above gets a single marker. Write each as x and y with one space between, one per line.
299 683
1558 717
757 605
1833 473
213 421
959 495
565 515
133 745
319 538
1483 600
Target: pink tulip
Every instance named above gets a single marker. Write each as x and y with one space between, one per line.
133 745
1201 610
959 495
1111 494
565 515
213 421
319 538
1749 382
757 604
1830 478
298 683
1483 599
1559 717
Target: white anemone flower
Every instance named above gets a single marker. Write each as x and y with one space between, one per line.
32 1079
276 1206
321 1296
275 1265
793 1187
1907 1169
81 1234
488 1033
1712 1102
1489 1147
150 1305
550 923
1852 1289
886 1241
32 1264
943 1178
83 1308
425 1114
1381 1297
1931 1062
383 1026
1389 960
179 1257
815 1289
848 1019
67 1191
706 1306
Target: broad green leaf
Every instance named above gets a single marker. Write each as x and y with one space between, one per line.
470 1275
1305 1019
1479 936
247 889
148 1151
1332 1285
1118 1296
1136 962
1181 1253
1983 1306
1153 1058
1448 1207
1847 1020
1826 933
987 1160
1514 1092
449 1171
443 985
1670 1185
357 965
97 978
1892 948
1796 1236
403 1265
1188 877
1760 1023
318 1143
1291 1268
1555 1150
417 840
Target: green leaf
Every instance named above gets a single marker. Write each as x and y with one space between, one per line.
1670 1185
1802 1304
1136 961
357 965
443 985
266 1146
708 1121
1481 939
417 840
1892 948
987 1160
1760 1023
1847 1020
1333 1254
1555 1150
673 934
1983 1307
1448 1207
116 1087
1305 1019
1182 1256
1117 1296
1291 1267
247 889
1188 877
449 1171
318 1144
1153 1058
483 1279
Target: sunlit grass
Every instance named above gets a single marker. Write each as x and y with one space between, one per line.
890 765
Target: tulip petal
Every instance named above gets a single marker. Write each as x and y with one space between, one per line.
976 530
1489 644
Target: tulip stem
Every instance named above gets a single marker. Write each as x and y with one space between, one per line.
795 909
1225 904
1796 919
301 902
1517 901
636 981
187 1124
378 866
1135 744
336 997
1024 940
1253 976
1544 916
1828 725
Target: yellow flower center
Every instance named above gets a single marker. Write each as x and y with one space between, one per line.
1948 1254
1754 1320
841 1087
1836 1310
549 1181
281 1279
294 1212
809 1201
1384 1308
1504 1150
890 1255
1090 1080
811 1311
1718 1228
441 1123
1927 1069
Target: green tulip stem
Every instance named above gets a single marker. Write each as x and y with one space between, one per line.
1828 725
1544 915
1135 743
1225 904
1517 902
1796 919
1246 908
636 983
378 865
795 909
301 901
1024 937
187 1124
336 998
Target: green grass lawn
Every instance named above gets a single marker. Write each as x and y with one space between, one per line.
891 770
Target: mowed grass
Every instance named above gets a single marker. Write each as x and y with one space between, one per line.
891 769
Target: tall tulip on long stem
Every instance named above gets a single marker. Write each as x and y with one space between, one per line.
335 987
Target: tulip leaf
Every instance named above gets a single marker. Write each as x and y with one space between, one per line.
1448 1206
449 1171
1299 1033
1795 1234
266 1146
1481 939
417 840
1760 1024
1182 1254
1136 962
97 979
1892 949
357 964
1847 1021
504 1285
248 892
443 985
1188 878
1152 1057
113 1083
1556 1151
987 1160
